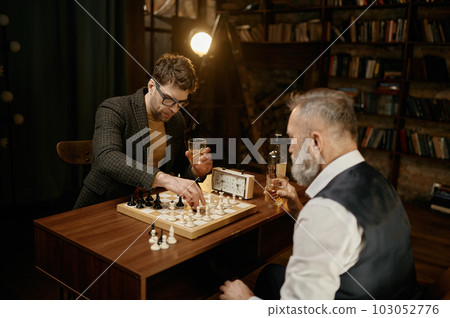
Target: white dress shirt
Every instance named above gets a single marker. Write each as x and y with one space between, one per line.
327 240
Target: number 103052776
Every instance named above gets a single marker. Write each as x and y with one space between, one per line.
405 309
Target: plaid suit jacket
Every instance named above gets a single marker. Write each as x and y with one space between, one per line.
121 122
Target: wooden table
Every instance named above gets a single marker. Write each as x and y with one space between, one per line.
76 247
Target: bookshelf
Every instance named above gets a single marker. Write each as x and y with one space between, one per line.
383 58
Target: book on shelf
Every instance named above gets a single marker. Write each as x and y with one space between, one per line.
343 64
436 31
412 142
376 138
248 33
306 31
372 31
429 68
430 109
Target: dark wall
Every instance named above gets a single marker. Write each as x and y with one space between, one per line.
66 66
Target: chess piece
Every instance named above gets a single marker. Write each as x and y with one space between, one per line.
172 217
161 237
140 204
149 199
207 217
131 202
233 201
157 200
210 200
164 244
149 195
171 239
198 215
153 238
157 203
155 246
190 223
182 220
180 203
227 203
189 209
219 210
141 195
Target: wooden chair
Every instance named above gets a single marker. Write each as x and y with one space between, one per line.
75 152
439 289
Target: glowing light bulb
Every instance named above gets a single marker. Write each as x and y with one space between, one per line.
200 43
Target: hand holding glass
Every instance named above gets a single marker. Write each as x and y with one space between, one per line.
196 145
273 184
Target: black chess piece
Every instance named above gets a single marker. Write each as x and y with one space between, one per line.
157 205
180 203
140 204
157 200
148 200
149 197
160 238
141 195
131 202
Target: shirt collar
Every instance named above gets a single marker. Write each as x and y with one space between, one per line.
337 166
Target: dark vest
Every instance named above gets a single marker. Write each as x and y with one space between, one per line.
386 264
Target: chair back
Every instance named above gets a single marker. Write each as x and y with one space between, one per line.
77 152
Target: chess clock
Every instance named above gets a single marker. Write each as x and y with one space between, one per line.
233 182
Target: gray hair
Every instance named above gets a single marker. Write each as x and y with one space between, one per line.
333 107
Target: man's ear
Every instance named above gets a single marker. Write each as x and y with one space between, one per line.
317 141
150 85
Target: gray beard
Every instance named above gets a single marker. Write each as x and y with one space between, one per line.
305 172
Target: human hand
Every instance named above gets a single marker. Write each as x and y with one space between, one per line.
187 189
288 192
204 164
235 290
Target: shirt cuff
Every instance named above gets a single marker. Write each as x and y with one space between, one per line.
254 298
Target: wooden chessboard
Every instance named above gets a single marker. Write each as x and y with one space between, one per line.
161 217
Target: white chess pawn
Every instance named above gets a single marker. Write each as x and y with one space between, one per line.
227 203
153 237
171 239
210 200
190 223
198 215
155 246
172 217
189 209
233 202
164 244
206 218
182 220
219 210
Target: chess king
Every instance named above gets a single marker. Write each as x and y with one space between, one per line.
155 107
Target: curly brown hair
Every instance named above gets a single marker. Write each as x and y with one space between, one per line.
177 70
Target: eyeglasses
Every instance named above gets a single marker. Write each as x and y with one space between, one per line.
169 101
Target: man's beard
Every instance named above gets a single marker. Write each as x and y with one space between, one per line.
305 172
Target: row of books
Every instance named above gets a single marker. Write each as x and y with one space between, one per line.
429 68
388 31
345 65
371 103
432 109
431 31
307 31
249 33
369 137
412 142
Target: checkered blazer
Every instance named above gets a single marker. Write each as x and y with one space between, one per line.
119 119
